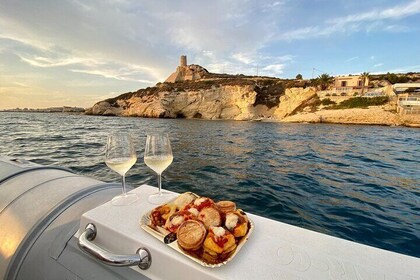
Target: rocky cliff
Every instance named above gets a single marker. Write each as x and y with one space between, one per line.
243 98
240 98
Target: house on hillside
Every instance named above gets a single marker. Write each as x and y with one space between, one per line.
346 86
350 84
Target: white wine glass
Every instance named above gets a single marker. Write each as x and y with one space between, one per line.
120 156
158 156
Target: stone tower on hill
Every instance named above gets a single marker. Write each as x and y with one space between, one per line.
186 72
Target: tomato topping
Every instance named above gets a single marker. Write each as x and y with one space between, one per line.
204 204
221 241
188 206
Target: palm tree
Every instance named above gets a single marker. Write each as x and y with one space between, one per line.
365 76
324 81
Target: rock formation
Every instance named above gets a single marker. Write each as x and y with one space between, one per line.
374 115
193 92
236 98
224 102
186 72
293 99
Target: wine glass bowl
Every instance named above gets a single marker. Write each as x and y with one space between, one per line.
120 156
158 156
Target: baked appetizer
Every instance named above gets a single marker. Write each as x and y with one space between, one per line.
160 214
203 229
210 216
218 244
173 222
201 203
237 223
226 206
191 235
183 200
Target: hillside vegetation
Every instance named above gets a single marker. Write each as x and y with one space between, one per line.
361 102
268 89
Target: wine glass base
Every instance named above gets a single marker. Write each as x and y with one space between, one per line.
122 200
161 198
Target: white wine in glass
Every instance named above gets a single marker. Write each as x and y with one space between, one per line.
158 156
120 156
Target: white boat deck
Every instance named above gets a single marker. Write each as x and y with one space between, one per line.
275 250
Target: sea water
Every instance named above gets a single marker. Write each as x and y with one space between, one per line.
360 183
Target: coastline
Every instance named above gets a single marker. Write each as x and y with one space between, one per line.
355 116
375 115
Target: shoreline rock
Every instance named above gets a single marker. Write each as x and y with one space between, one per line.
246 99
375 115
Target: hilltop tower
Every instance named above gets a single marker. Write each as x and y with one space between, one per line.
186 72
183 61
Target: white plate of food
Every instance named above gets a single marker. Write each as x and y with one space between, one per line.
209 233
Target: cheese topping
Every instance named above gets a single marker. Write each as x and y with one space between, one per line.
193 211
177 220
218 231
198 201
231 221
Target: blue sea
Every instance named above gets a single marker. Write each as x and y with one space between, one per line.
360 183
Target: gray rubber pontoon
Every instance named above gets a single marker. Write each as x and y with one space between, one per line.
40 209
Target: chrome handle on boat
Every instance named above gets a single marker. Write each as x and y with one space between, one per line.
142 258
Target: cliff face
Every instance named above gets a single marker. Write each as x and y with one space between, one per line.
225 102
240 99
193 92
293 100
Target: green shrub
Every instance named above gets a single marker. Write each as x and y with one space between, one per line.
328 94
394 78
316 102
334 94
355 94
361 102
327 101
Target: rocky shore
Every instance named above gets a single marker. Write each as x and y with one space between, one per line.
246 98
220 98
370 116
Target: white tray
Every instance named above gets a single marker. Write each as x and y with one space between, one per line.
146 225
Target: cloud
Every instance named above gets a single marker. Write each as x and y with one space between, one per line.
129 32
113 75
273 70
49 57
253 63
378 65
368 21
26 40
40 61
395 12
104 46
352 58
276 5
246 58
396 28
405 69
21 84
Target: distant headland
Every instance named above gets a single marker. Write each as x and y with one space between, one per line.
63 109
193 92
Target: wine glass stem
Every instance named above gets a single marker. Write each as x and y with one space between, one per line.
160 183
124 192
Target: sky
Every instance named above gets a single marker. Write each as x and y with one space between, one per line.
76 52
